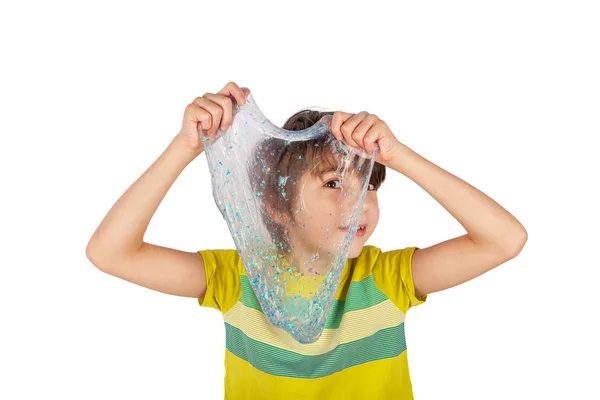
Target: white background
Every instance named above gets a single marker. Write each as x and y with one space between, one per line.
504 95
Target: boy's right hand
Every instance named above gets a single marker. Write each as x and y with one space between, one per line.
209 113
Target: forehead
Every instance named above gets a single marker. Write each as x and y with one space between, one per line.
334 162
324 167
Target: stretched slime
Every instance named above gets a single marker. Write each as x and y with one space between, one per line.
292 228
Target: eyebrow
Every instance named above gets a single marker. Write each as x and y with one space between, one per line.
327 169
321 174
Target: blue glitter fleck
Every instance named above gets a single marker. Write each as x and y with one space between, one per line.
283 180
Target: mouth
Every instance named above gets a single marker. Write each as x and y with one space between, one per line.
361 227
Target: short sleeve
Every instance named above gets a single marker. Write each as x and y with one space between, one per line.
392 272
222 270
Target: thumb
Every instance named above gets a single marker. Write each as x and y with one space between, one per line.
246 91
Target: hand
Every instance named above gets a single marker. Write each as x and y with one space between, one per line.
363 131
206 114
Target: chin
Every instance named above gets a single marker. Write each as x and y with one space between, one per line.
355 250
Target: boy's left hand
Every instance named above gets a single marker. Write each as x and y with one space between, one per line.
363 131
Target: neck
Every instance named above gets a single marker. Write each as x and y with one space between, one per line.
309 261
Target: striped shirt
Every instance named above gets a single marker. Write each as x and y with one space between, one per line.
361 353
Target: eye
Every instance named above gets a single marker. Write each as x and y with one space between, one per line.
334 181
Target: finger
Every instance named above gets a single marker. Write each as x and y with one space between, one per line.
358 135
233 90
226 105
214 109
350 125
336 122
197 115
246 91
375 133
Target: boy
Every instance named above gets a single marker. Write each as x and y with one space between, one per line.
362 352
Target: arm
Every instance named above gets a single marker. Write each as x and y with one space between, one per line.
493 236
117 245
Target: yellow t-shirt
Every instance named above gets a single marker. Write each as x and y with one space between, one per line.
360 355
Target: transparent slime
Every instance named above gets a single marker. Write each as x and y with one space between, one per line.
292 201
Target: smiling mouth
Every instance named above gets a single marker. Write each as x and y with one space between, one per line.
360 227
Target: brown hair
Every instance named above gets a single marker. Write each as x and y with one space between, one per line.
285 162
304 119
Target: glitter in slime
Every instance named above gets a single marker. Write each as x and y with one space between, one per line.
262 183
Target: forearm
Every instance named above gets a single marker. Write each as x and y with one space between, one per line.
486 222
122 230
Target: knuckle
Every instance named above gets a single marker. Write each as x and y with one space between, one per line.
218 98
335 118
225 101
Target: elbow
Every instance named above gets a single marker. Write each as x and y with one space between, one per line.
106 257
516 243
91 252
96 255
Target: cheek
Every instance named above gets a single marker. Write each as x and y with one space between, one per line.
374 211
326 196
373 219
329 208
318 202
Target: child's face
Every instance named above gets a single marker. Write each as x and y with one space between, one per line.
325 208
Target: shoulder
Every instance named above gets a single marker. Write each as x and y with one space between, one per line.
392 274
372 258
223 268
220 258
361 267
223 264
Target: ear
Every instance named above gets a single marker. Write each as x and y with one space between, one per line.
275 215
